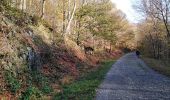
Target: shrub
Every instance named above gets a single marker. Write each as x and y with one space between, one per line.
4 2
46 89
35 20
46 24
22 21
42 81
30 93
12 82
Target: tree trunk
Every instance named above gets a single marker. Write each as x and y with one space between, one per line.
64 15
71 19
69 12
24 5
110 47
78 34
21 4
104 44
93 42
30 6
43 9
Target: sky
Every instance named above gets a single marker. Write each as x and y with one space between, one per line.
127 7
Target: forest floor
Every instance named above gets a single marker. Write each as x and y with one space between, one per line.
131 79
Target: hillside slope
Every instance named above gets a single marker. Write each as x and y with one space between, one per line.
31 64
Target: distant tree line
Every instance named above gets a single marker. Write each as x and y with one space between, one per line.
155 29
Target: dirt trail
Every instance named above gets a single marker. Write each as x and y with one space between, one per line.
130 79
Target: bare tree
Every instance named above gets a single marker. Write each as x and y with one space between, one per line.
43 8
70 19
158 10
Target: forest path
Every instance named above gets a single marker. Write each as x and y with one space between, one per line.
130 79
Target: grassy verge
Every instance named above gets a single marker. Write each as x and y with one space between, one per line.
158 66
85 87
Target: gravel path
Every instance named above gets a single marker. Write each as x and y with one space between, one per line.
130 79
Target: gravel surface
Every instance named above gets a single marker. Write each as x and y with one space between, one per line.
130 79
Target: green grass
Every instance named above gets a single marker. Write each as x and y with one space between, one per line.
85 87
158 66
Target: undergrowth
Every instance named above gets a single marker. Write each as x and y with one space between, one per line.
31 93
158 66
38 85
21 18
12 82
85 87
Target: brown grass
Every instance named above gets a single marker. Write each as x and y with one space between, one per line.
158 66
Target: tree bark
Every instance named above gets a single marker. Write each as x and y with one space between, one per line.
24 5
71 19
43 9
78 34
21 4
110 47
